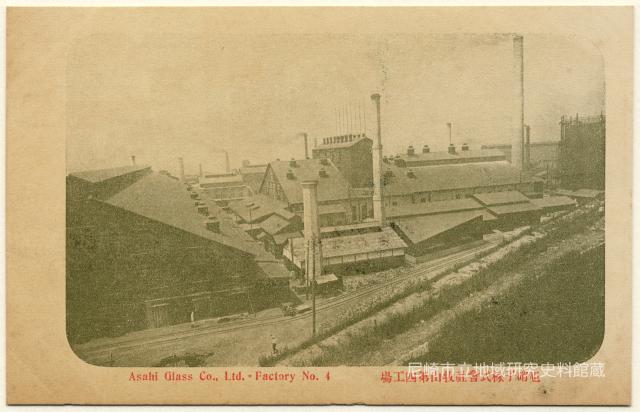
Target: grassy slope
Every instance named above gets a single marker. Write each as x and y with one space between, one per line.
557 317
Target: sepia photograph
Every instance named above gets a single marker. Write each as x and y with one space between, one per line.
307 205
335 200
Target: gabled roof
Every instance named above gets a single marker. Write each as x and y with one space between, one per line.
330 188
100 175
163 199
455 176
501 198
420 228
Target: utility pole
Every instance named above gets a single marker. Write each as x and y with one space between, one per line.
313 292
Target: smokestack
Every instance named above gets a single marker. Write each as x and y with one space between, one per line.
200 167
313 247
527 147
133 159
517 150
226 162
306 146
449 127
378 206
181 169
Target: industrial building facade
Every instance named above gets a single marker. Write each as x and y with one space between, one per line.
582 152
140 255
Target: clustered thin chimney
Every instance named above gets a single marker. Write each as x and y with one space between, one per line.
226 162
133 159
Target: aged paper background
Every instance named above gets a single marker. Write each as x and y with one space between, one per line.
41 367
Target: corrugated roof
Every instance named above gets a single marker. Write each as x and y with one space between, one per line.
448 177
95 176
420 228
330 188
553 201
501 198
513 208
166 200
429 208
387 239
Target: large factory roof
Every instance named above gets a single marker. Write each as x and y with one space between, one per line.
430 208
450 177
165 200
420 228
331 186
386 239
100 175
458 156
501 198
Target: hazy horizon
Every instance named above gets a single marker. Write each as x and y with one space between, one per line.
160 97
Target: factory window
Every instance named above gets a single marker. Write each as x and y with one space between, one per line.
423 200
363 212
394 203
354 213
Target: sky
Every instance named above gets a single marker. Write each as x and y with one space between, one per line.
163 96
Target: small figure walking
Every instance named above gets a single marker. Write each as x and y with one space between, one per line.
274 344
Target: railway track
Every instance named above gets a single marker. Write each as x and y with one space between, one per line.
101 354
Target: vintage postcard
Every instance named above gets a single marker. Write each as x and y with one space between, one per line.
319 205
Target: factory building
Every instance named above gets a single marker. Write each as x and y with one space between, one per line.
541 155
351 154
372 251
404 186
582 152
141 252
451 156
223 188
252 175
338 204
